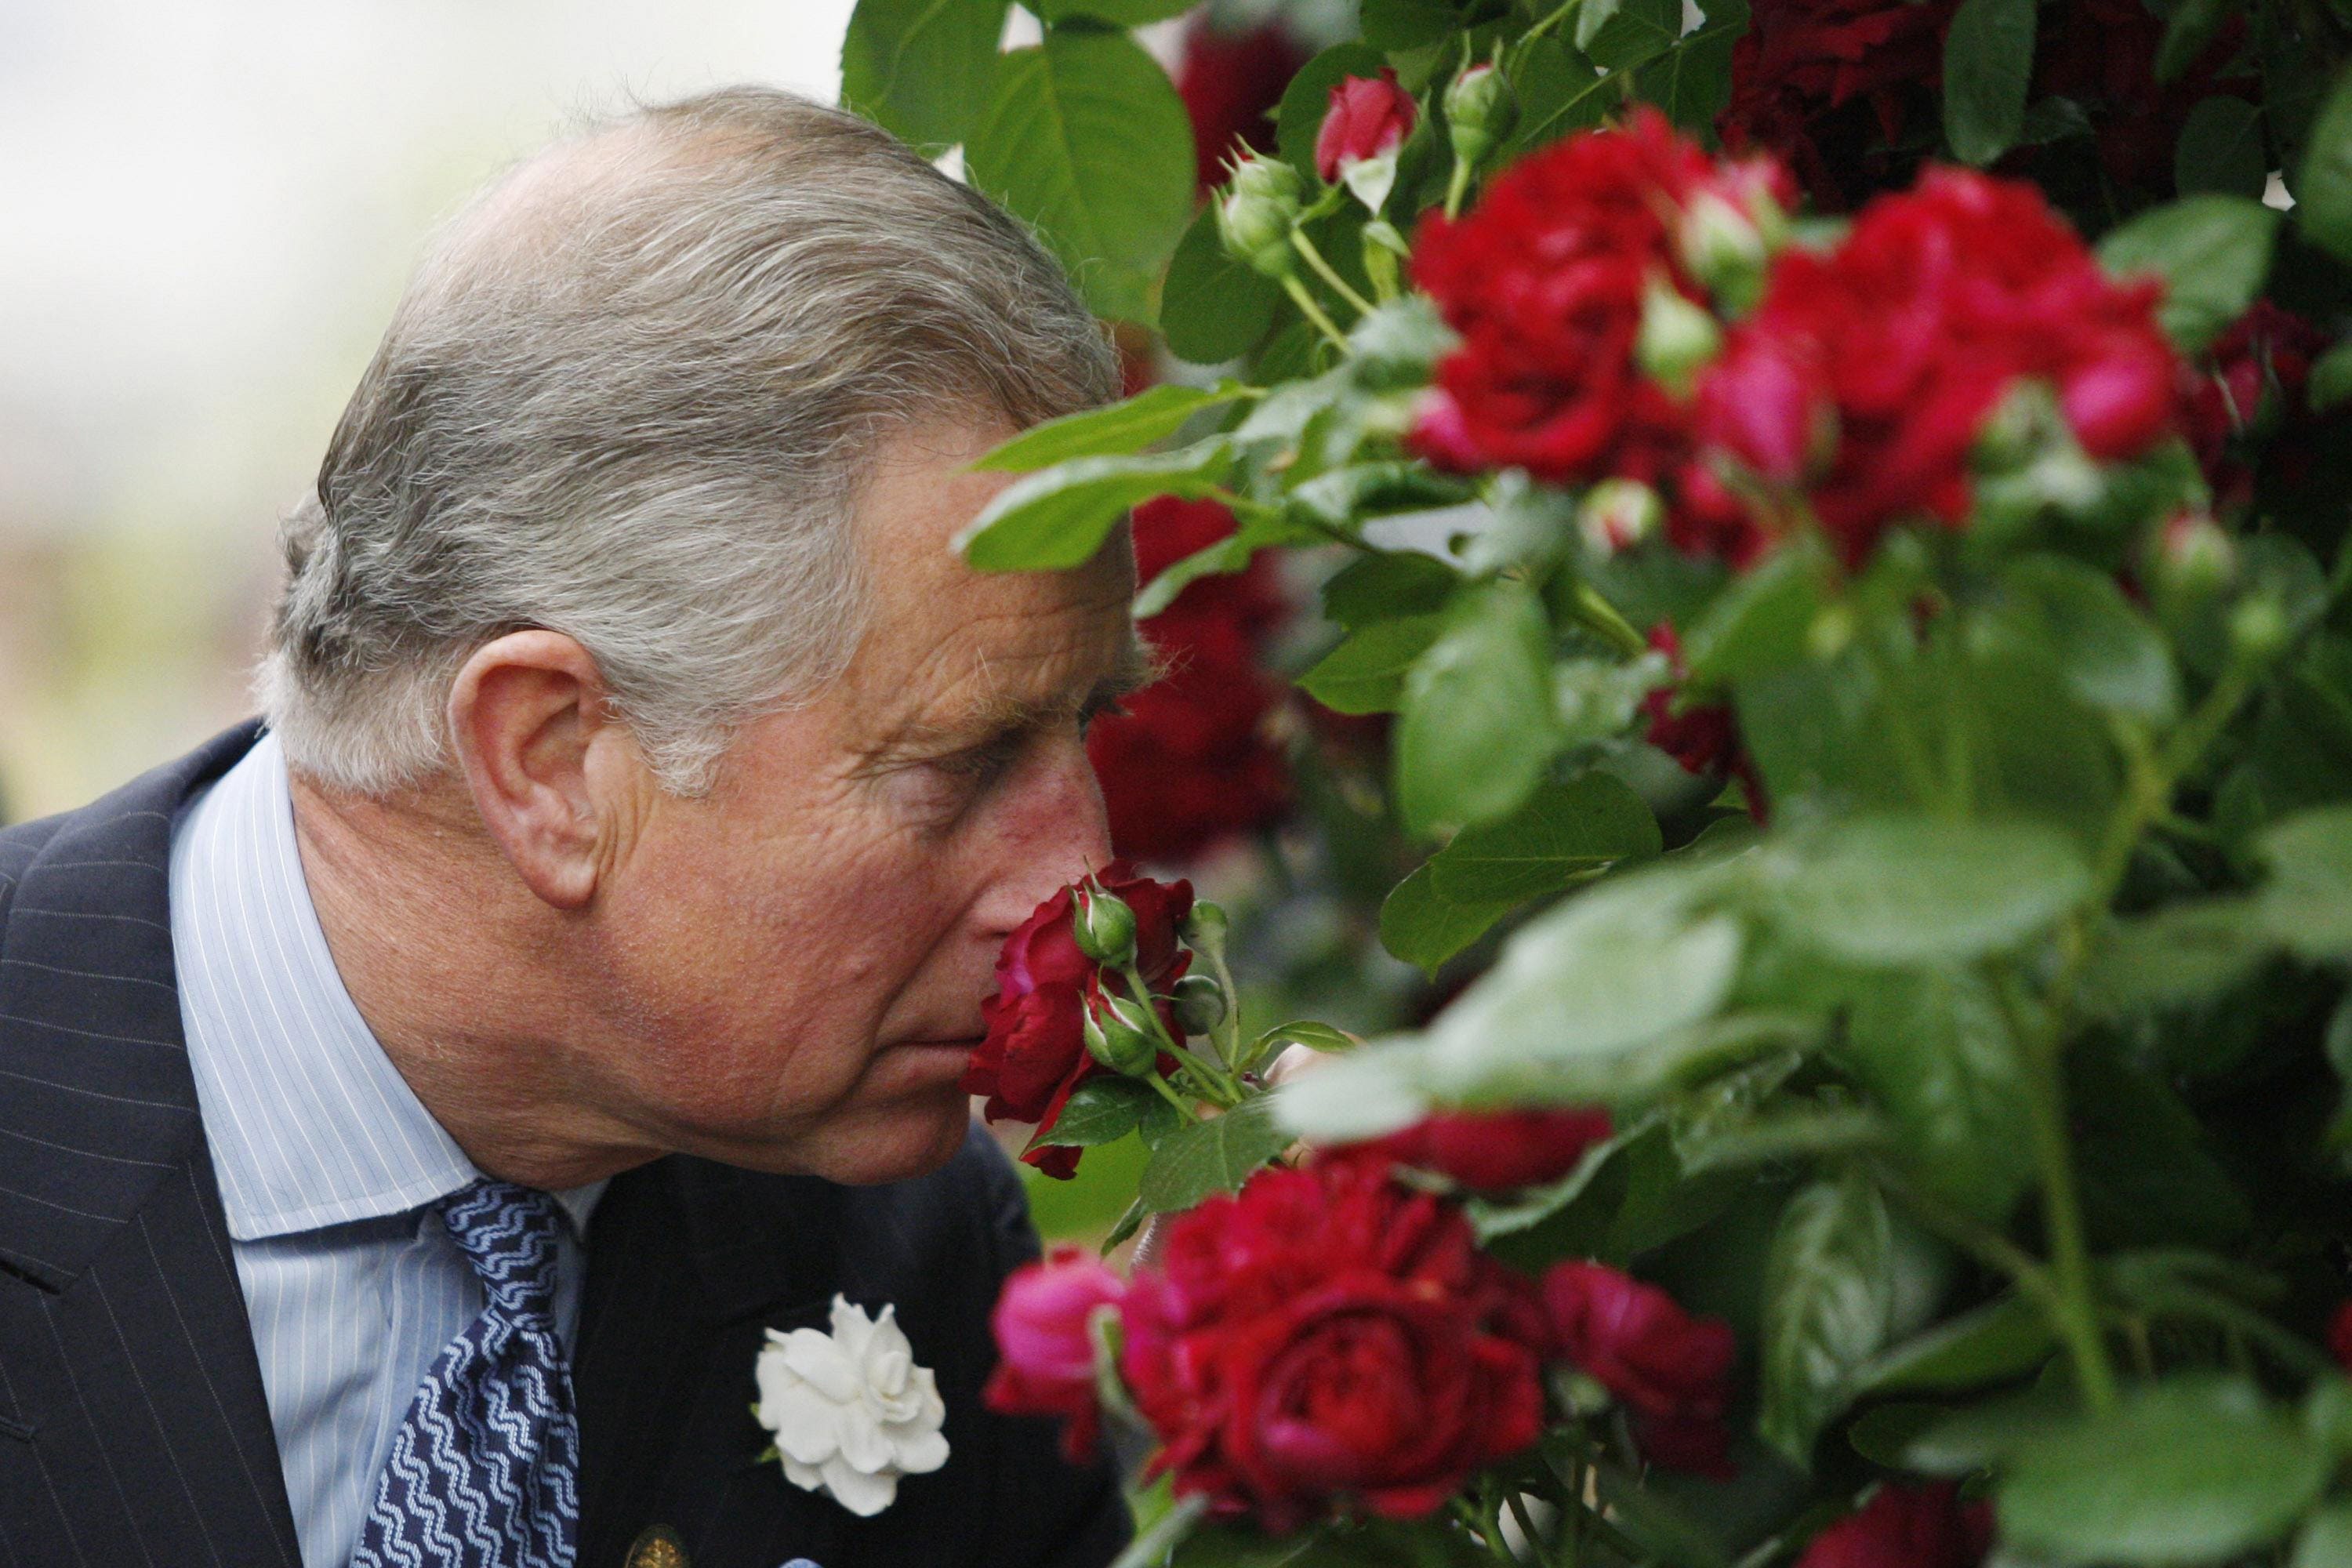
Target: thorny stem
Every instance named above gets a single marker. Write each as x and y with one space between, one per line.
1329 275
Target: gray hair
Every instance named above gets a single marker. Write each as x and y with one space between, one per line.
632 395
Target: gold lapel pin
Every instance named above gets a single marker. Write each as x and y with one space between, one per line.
657 1547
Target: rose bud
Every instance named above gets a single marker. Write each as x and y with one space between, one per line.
2195 558
1044 1340
1907 1527
1479 112
1199 1004
2258 629
1677 337
1669 1368
1617 514
1118 1038
1259 209
1105 927
1205 929
1731 228
1367 120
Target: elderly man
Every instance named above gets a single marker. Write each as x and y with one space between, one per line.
416 1111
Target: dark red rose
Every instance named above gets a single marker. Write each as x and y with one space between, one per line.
1822 83
1669 1368
1192 760
1543 280
1230 82
1330 1338
1368 115
1046 1348
1907 1527
1898 345
2251 388
1035 1051
1704 737
1492 1151
2100 55
2339 1336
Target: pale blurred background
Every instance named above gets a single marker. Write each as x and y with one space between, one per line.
206 211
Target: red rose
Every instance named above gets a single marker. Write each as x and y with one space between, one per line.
1907 1527
1543 280
1903 340
1046 1347
1816 81
2339 1336
1230 82
1493 1151
1668 1367
1191 762
1035 1051
2253 381
1368 116
1330 1337
2101 56
1704 737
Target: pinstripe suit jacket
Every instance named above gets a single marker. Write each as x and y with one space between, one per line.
132 1425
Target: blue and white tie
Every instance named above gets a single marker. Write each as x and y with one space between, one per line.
485 1470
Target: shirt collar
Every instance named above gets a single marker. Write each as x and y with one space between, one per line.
310 1122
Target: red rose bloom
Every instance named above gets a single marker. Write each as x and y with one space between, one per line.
1230 82
1669 1368
2254 381
1907 1527
1190 761
1704 737
1046 1349
1368 115
1903 340
1331 1336
1491 1151
1543 280
1035 1051
1817 81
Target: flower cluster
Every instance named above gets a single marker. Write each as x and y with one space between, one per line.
1035 1053
1332 1337
1192 761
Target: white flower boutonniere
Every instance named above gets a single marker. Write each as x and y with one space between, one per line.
851 1410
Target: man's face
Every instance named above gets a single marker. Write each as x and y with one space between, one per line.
798 959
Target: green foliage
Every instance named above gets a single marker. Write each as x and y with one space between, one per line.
1988 62
1213 308
920 68
2212 252
1120 430
1058 517
1482 689
1893 892
1085 137
1828 1307
1212 1156
2322 188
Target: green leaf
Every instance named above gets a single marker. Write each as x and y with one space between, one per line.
1759 622
1931 1049
1213 1156
1368 1092
1231 553
2308 902
1691 83
1120 430
1563 829
1308 96
1395 24
2190 30
1303 1032
1478 728
1425 929
1099 1110
2212 253
2191 1470
1988 62
1977 1435
2327 1538
1560 91
1893 892
1584 999
2005 1338
2221 150
1386 585
1365 674
2331 378
1829 1305
1627 32
2175 956
2323 190
2111 655
1212 307
1058 517
1085 138
920 68
1119 13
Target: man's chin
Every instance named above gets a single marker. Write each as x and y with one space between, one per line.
910 1138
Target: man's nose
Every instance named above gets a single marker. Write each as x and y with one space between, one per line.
1059 834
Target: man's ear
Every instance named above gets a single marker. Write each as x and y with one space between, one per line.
526 711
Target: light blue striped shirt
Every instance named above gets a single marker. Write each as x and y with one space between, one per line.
328 1163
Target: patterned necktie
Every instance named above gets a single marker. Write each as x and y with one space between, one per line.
484 1472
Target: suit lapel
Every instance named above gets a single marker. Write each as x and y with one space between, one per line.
135 1428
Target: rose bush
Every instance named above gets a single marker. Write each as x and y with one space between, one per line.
1942 1159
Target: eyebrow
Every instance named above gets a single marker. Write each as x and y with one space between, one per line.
1001 716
